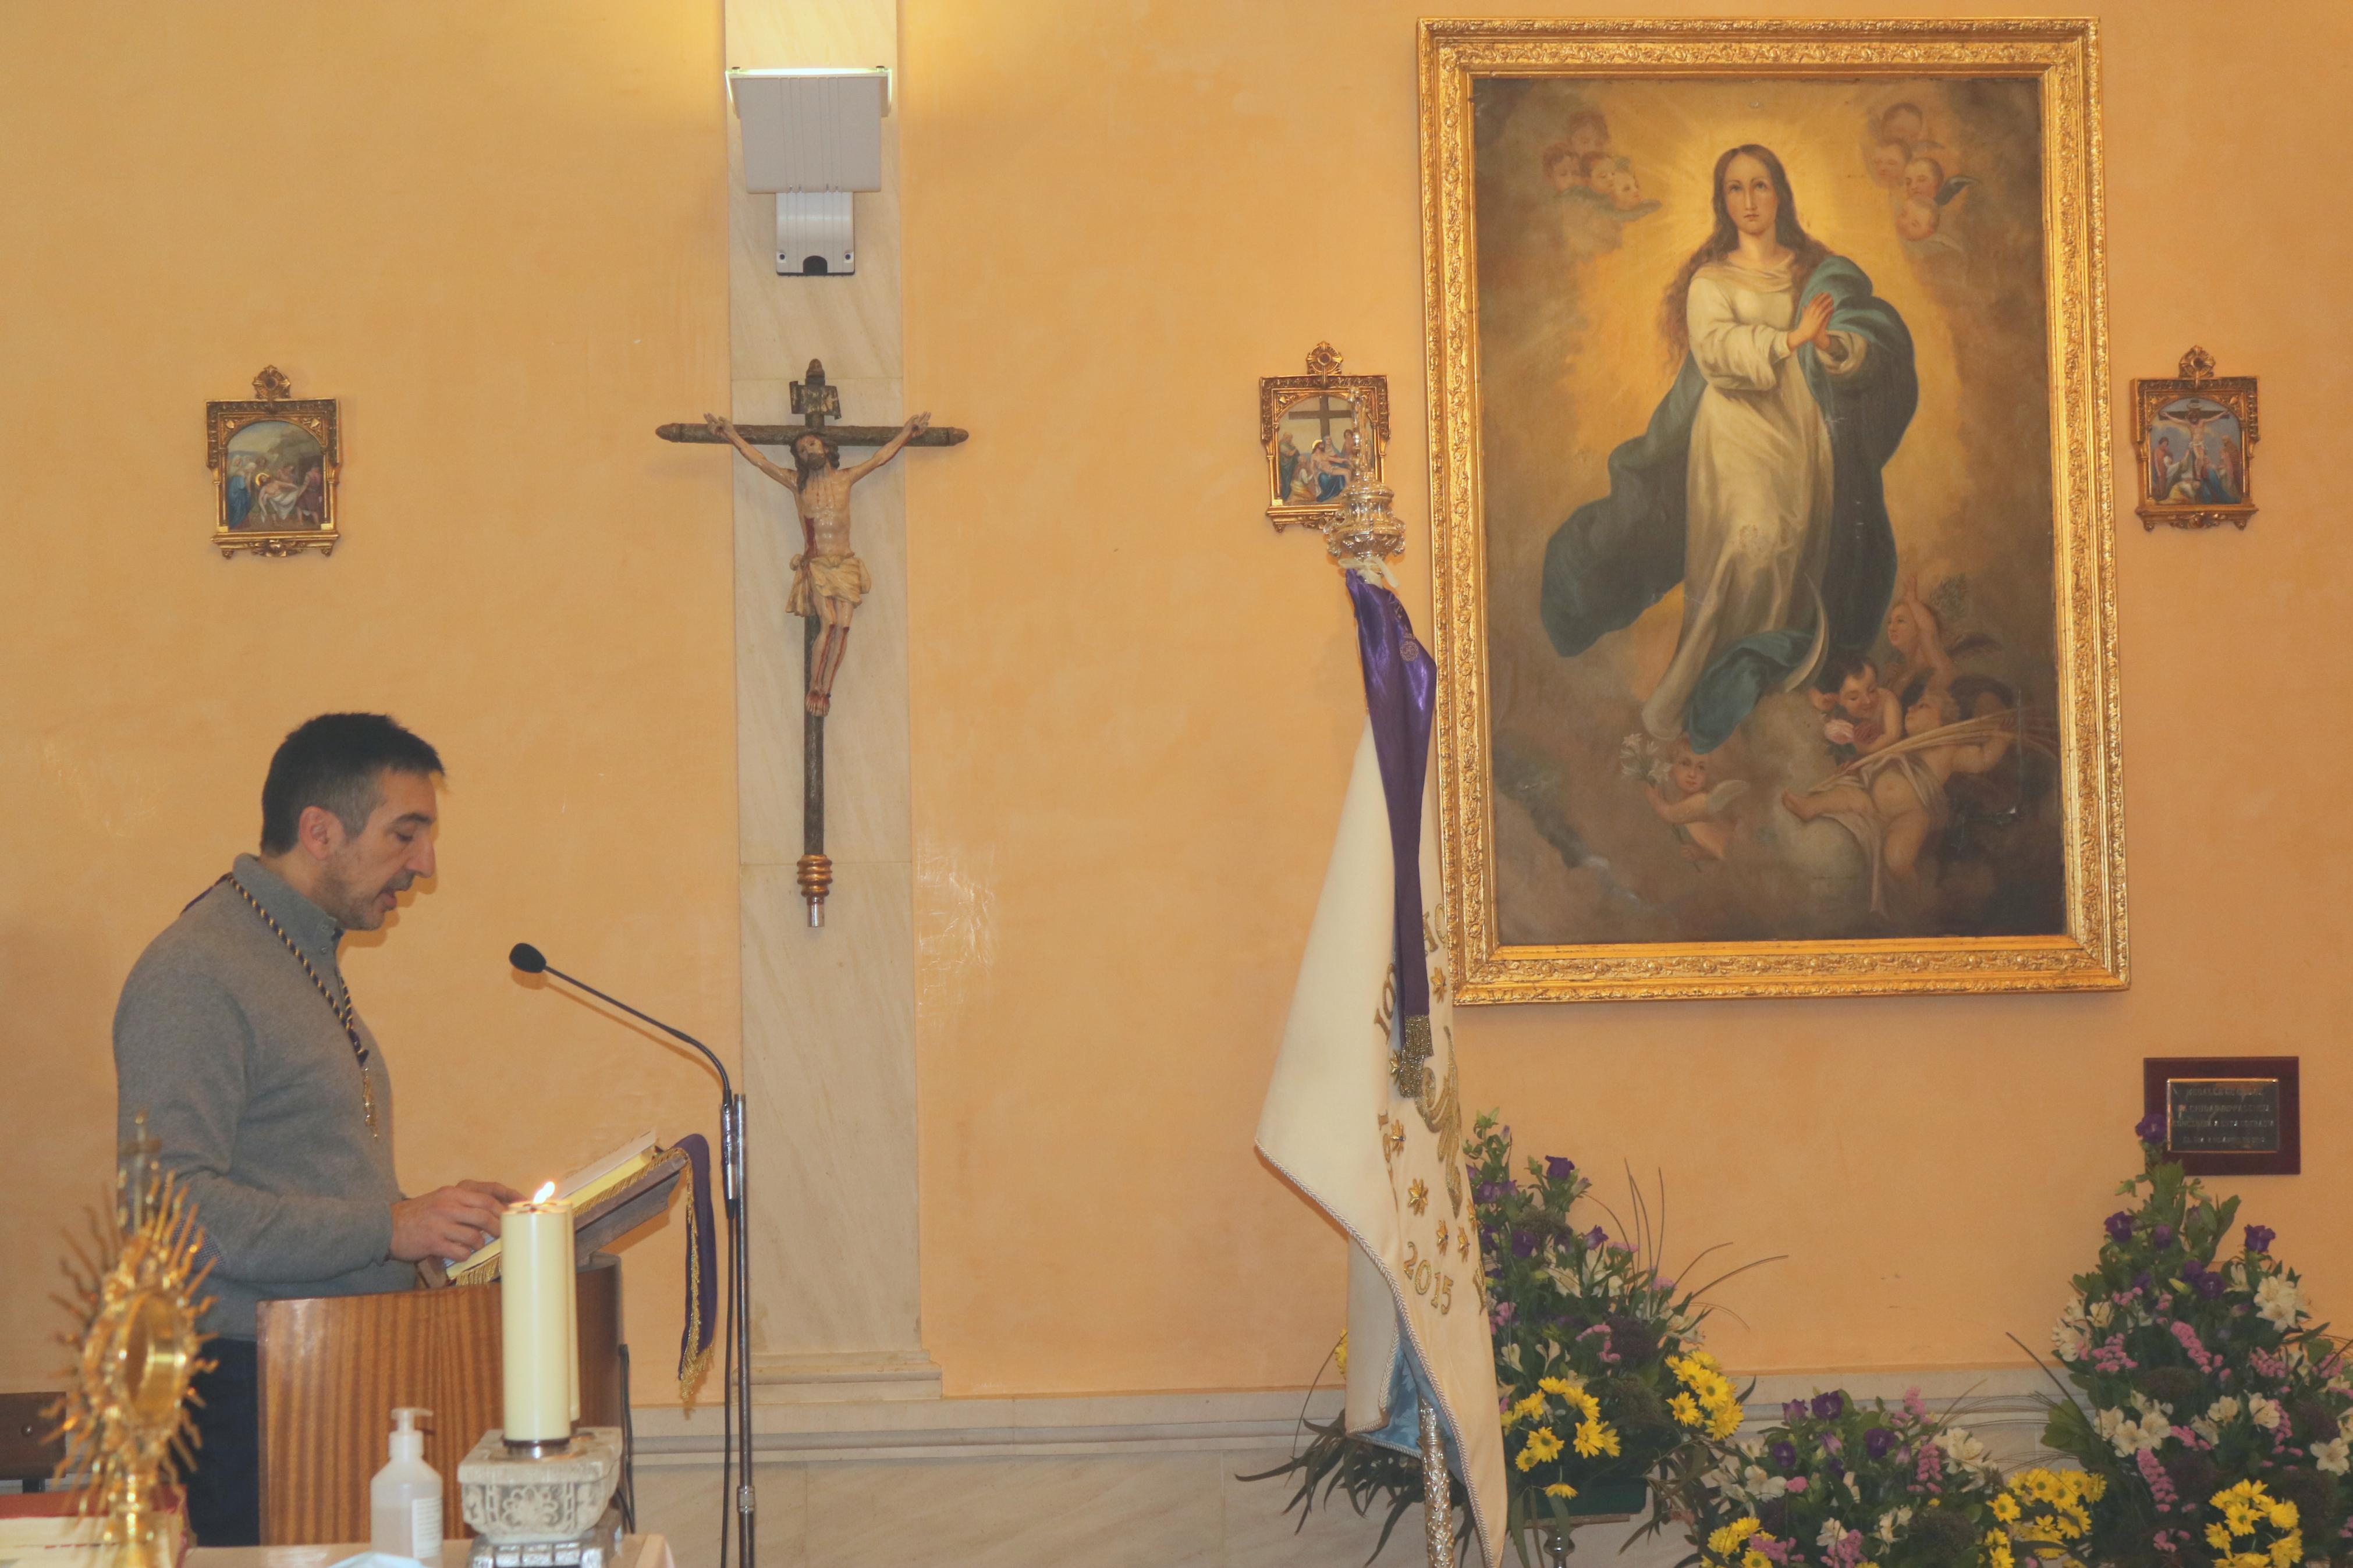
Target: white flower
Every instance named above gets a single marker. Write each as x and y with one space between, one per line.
1889 1524
2101 1312
2263 1413
2071 1336
2333 1455
2128 1436
2278 1302
1832 1532
1962 1448
2208 1430
2222 1411
2345 1425
1763 1487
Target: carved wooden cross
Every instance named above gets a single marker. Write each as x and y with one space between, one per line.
816 401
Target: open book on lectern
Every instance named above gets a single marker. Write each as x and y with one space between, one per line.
610 1195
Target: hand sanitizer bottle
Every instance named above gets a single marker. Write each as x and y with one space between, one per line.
405 1499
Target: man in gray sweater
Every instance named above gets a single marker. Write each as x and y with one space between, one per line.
235 1036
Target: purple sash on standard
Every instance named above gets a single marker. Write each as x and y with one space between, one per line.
702 1270
1400 687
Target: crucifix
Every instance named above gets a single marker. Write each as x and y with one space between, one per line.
829 579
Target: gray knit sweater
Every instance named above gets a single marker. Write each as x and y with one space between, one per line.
250 1085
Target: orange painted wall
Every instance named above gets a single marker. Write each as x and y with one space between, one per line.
497 233
1133 709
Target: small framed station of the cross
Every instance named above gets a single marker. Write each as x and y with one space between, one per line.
1304 422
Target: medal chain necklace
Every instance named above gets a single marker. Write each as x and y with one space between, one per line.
342 1009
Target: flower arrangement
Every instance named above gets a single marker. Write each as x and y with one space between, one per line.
1604 1389
1597 1353
1841 1485
2219 1418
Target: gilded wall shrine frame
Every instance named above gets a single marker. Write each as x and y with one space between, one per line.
1839 716
275 459
1303 422
2194 435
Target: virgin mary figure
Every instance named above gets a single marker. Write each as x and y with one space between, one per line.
1756 486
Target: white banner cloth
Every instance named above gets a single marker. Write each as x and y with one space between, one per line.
1385 1166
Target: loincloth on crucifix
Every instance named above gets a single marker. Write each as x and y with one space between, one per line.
827 586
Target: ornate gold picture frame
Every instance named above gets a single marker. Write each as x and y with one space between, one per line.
1303 422
275 458
2195 437
1771 506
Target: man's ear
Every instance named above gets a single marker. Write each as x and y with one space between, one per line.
320 832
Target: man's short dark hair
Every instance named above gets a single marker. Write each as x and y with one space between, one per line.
337 761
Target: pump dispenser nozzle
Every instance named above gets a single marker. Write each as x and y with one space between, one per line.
405 1499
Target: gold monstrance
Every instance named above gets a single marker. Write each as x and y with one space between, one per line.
123 1416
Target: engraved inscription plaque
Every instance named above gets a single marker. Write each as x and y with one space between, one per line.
2227 1115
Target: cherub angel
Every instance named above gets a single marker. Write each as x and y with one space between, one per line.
828 580
1892 800
1674 780
1919 630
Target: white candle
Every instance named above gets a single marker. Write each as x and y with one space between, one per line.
538 1334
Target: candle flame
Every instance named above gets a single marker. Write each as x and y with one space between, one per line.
546 1191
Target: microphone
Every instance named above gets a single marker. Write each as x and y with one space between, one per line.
736 1408
530 960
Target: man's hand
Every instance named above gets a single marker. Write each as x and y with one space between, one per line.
449 1223
918 425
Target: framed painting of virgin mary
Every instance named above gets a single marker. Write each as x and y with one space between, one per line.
1771 508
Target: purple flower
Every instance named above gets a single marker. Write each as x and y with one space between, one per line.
1833 1469
2120 1227
2162 1236
1794 1410
1489 1191
1877 1441
1559 1169
1596 1236
2208 1284
2260 1238
1523 1244
2151 1129
1830 1406
1831 1444
1784 1455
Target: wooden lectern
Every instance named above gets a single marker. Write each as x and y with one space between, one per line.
334 1367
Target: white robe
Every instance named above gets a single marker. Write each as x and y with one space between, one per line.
1758 486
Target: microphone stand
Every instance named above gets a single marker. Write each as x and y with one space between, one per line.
735 1419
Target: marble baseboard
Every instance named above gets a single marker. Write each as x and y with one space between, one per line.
851 1378
1148 1479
